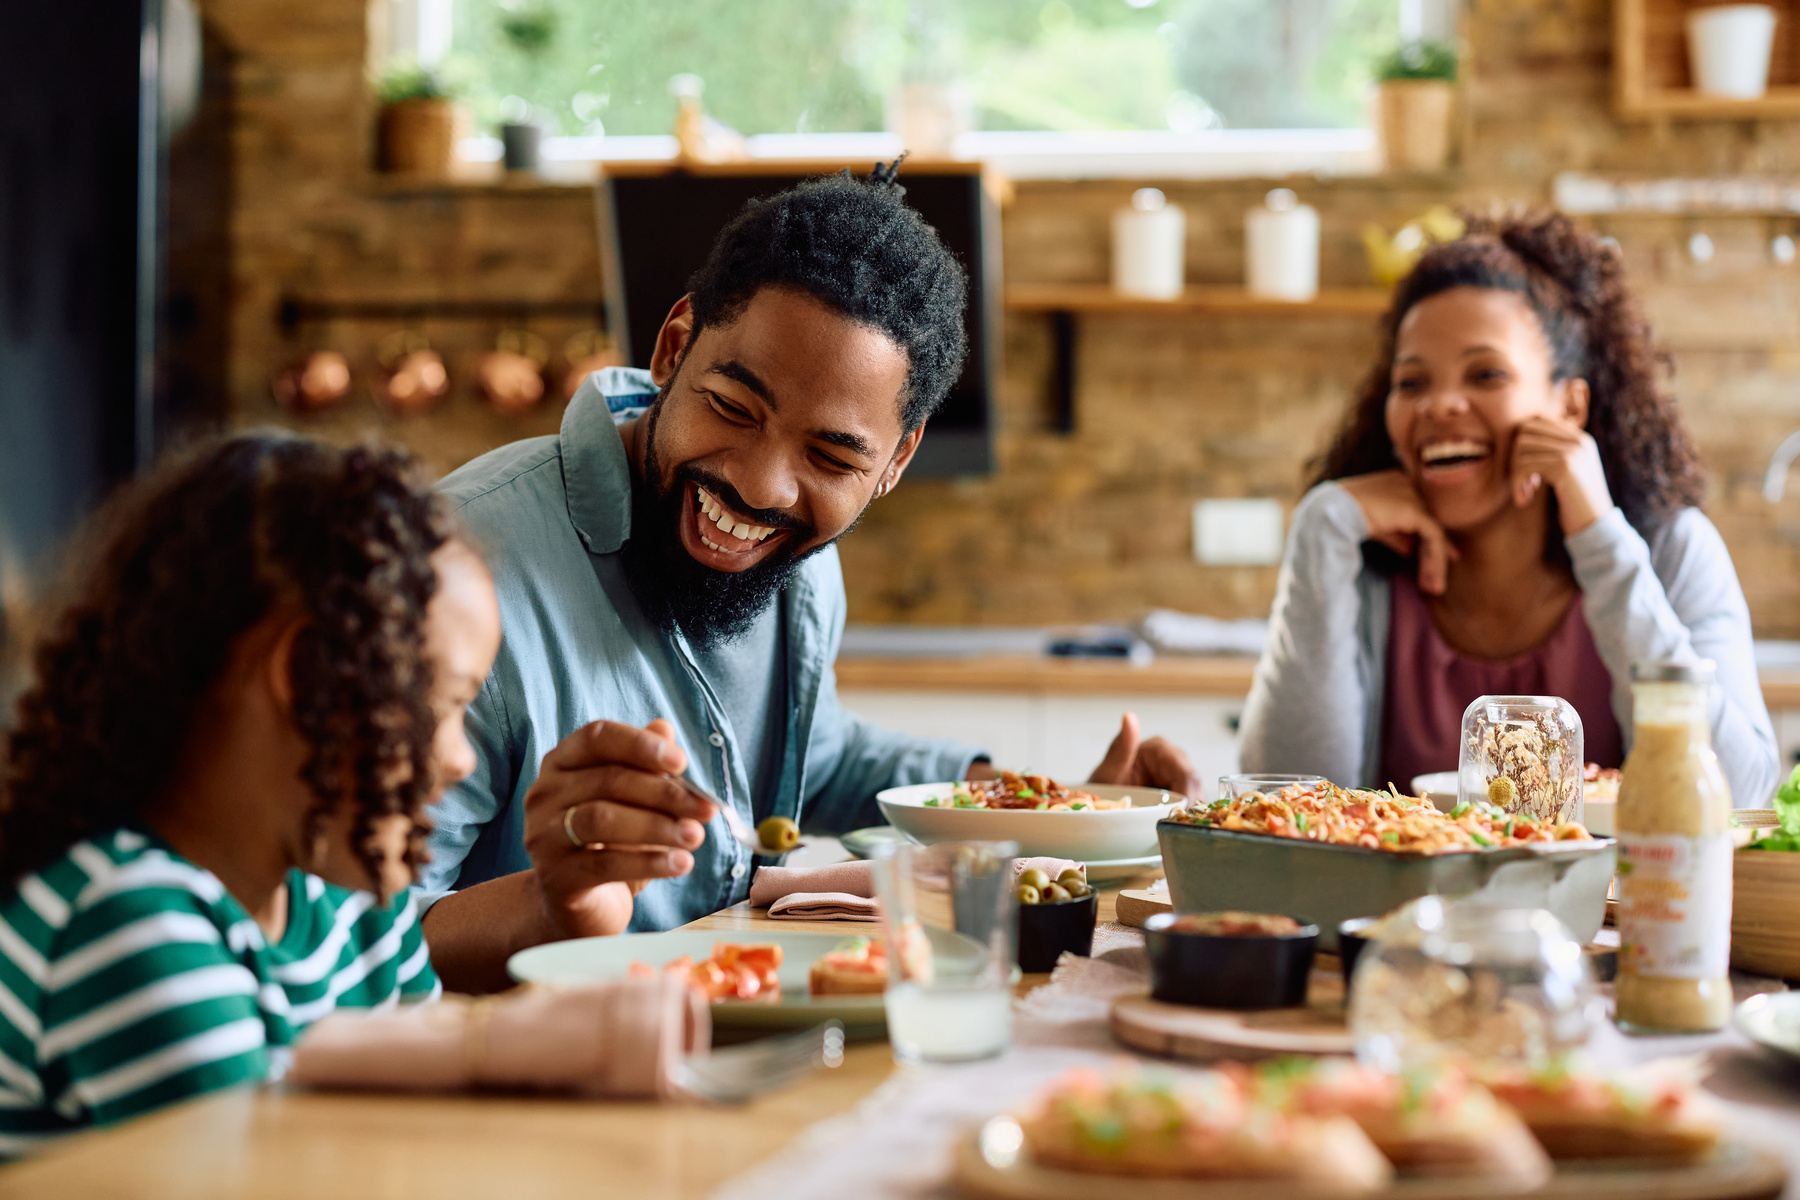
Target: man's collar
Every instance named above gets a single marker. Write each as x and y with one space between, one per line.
596 469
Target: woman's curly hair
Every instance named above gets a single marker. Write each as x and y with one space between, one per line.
1574 282
182 564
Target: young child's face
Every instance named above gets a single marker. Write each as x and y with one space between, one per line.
462 635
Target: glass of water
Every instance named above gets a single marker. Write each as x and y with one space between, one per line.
1233 786
948 917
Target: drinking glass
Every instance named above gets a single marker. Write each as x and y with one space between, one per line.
1233 786
948 915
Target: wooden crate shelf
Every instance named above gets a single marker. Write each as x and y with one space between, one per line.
1650 66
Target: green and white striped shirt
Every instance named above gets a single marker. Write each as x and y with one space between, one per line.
130 978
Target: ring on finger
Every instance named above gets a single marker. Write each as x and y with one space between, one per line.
569 827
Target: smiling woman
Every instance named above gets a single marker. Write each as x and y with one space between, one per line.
1511 507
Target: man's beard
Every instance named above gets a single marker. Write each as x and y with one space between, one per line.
677 592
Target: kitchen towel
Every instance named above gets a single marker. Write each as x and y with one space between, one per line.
621 1038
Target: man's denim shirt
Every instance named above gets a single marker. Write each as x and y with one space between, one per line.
550 514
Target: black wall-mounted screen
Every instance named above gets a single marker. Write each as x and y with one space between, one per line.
658 228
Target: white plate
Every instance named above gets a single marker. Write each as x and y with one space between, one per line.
1439 787
1100 835
1772 1021
1099 870
592 960
863 841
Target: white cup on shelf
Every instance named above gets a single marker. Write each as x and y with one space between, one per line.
1149 246
1728 49
1281 248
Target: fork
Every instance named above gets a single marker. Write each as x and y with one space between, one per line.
740 828
734 1075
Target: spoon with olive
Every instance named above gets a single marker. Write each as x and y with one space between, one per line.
775 836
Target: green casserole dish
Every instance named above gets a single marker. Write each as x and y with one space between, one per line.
1322 883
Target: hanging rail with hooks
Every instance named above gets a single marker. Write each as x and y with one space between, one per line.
294 311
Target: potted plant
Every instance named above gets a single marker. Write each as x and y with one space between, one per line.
530 31
1415 96
416 130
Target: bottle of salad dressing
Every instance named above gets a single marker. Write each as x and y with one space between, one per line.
1674 830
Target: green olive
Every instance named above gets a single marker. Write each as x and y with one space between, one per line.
1077 889
1071 877
779 833
1028 894
1056 893
1033 877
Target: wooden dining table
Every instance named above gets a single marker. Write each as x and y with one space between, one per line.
276 1143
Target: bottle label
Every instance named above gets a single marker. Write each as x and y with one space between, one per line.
1675 905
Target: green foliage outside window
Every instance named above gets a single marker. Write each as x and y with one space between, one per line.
786 66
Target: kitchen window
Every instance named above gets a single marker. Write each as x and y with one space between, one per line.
1042 87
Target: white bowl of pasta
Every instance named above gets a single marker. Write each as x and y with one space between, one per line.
1085 822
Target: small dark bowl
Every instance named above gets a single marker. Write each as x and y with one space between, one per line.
1046 930
1351 944
1219 971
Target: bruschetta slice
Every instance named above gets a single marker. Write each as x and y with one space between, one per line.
1199 1125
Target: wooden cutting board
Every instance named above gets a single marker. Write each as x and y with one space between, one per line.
1206 1034
1135 905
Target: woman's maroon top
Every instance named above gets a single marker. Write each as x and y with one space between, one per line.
1429 685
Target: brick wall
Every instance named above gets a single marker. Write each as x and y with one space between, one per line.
1093 524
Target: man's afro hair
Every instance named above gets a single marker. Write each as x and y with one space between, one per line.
857 247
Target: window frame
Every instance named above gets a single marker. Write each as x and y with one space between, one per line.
1018 155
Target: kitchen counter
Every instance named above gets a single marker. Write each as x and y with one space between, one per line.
1168 675
1041 673
996 688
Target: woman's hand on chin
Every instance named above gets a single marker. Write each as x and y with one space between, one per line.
1566 457
1398 519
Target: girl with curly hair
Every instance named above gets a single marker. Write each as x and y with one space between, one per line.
1511 506
212 802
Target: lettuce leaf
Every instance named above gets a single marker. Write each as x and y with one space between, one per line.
1787 810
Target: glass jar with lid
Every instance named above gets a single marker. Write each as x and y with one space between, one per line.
1462 981
1523 754
1674 880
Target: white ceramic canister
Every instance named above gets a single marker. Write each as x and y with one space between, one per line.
1281 248
1728 49
1149 245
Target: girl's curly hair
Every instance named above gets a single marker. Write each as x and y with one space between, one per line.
179 566
1574 282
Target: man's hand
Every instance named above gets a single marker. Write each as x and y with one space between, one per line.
1398 519
1565 456
609 784
1156 763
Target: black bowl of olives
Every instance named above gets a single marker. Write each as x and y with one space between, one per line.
1054 915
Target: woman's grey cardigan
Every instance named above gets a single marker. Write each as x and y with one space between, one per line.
1316 705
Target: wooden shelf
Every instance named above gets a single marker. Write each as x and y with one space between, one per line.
1101 298
1650 66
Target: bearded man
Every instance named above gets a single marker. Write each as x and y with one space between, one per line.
671 596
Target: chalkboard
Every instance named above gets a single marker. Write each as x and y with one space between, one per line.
657 229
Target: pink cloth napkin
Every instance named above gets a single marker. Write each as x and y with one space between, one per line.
840 892
620 1038
1052 867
